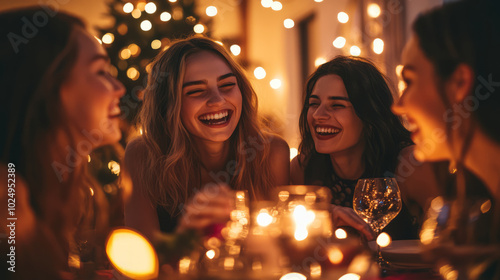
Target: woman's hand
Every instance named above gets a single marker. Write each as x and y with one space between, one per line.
344 216
211 205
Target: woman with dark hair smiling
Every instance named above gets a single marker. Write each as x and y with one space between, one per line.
349 132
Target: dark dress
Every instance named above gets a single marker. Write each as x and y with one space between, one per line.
321 173
168 223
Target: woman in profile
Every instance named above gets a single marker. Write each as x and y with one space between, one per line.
58 103
201 138
349 132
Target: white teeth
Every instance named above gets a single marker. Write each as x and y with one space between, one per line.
215 116
115 111
328 130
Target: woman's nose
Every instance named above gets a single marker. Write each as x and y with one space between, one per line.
215 98
321 113
118 87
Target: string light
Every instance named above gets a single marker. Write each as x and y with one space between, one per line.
373 10
178 14
318 1
108 38
399 70
288 23
122 29
266 3
128 7
211 11
172 1
133 73
146 25
259 73
134 49
136 13
276 6
165 16
319 61
235 49
378 46
141 6
150 8
339 42
343 17
156 44
275 83
355 50
199 28
125 54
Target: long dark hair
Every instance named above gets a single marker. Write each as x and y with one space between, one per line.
466 32
38 50
367 89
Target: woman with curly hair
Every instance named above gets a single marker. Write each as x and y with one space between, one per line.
200 134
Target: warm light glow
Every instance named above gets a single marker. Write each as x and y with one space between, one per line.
134 49
98 40
399 70
288 23
122 29
315 269
132 254
301 233
355 50
88 158
293 276
211 11
146 25
401 87
229 263
136 13
266 3
318 1
378 46
210 254
133 74
343 17
125 54
293 153
128 7
199 28
184 265
259 73
335 255
373 10
384 239
235 49
339 42
340 233
485 207
437 203
108 38
319 61
141 6
172 1
165 16
275 83
140 131
150 8
299 213
220 43
283 195
350 276
264 219
114 167
155 44
91 191
276 6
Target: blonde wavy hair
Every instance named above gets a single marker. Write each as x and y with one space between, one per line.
172 169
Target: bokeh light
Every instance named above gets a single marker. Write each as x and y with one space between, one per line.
343 17
374 10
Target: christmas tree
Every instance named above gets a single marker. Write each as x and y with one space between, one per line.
140 31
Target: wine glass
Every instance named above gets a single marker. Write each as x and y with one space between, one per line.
377 201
